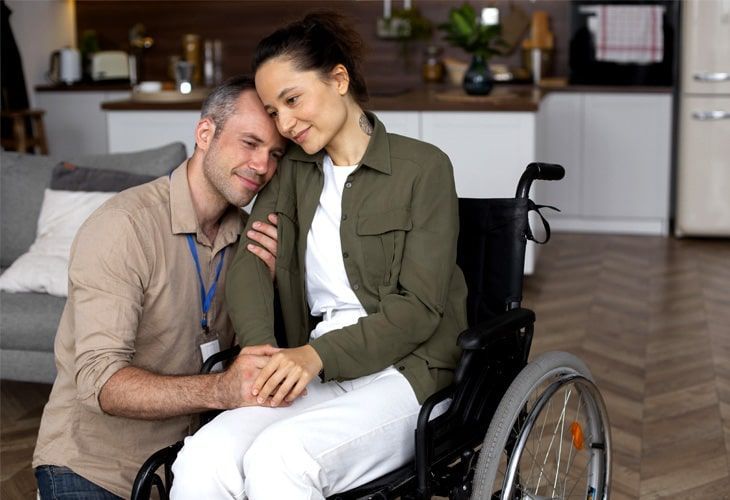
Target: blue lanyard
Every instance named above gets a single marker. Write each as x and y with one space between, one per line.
206 298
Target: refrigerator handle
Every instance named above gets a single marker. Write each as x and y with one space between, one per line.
712 77
711 115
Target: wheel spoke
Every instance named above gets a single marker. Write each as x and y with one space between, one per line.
585 467
570 461
539 442
566 399
561 419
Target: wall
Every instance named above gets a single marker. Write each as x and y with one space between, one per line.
40 27
242 23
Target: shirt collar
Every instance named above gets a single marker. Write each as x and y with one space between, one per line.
183 216
377 154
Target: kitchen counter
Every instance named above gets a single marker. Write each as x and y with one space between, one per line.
84 87
504 97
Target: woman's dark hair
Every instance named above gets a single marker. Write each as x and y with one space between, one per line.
320 41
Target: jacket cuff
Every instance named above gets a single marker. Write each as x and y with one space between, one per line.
330 367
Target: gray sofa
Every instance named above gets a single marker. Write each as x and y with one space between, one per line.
28 321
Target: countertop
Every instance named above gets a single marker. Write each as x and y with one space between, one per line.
504 97
85 87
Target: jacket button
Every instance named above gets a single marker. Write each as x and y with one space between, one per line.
345 255
348 185
401 368
344 216
356 287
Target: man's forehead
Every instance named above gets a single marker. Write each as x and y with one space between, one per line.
249 100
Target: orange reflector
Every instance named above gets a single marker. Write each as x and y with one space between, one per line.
577 433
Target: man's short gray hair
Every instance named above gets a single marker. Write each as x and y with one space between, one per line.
220 104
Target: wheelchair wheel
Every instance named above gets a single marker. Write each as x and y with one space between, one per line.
549 438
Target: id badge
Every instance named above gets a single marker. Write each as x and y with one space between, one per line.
209 346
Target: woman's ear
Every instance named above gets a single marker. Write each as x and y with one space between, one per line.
341 77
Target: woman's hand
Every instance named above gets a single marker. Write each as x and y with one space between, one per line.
286 375
265 235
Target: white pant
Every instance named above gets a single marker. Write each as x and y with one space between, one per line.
338 436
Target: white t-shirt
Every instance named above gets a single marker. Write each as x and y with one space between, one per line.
328 290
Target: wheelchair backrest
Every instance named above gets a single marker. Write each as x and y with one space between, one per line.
491 253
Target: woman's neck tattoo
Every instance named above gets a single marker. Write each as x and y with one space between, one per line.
365 124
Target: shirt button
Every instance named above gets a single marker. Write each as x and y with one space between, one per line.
356 287
344 216
348 185
345 254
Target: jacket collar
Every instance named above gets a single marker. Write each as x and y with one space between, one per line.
377 154
183 216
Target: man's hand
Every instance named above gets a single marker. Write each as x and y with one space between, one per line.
261 350
233 389
286 375
265 235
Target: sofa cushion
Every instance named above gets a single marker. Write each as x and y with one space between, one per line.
23 179
155 162
69 177
28 321
44 268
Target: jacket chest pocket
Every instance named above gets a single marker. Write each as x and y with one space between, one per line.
287 231
382 237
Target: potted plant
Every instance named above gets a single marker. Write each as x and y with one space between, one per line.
482 40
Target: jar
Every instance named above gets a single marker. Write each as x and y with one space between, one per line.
193 55
433 66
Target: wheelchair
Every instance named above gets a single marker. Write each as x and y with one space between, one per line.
513 430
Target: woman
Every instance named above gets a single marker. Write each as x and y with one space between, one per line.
367 246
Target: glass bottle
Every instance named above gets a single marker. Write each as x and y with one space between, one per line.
433 66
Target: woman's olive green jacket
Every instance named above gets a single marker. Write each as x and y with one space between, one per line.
398 231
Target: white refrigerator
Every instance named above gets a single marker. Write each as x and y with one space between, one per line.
703 159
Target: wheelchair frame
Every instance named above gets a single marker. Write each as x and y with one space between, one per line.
494 352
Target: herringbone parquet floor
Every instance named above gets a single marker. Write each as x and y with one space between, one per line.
651 318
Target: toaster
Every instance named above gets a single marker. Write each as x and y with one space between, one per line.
110 65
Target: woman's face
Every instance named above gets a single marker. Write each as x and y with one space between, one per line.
307 108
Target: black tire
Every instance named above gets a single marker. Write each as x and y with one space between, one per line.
539 381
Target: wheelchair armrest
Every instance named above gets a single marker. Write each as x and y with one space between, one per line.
424 444
486 333
216 358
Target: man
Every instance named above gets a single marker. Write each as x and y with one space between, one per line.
142 311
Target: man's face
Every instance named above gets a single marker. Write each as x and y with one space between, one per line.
243 157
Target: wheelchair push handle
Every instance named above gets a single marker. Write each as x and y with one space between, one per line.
538 171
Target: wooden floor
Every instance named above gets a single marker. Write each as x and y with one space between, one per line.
651 318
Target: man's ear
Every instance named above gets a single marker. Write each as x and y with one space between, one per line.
204 132
341 78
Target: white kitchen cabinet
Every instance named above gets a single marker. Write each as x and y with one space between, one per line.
489 150
74 121
135 130
407 123
616 151
559 128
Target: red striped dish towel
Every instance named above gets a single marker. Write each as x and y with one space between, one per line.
629 34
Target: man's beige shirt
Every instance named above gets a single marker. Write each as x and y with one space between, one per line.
134 300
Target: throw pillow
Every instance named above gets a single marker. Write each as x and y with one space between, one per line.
69 177
44 268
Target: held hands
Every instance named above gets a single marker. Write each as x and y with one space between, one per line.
266 236
286 375
234 384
